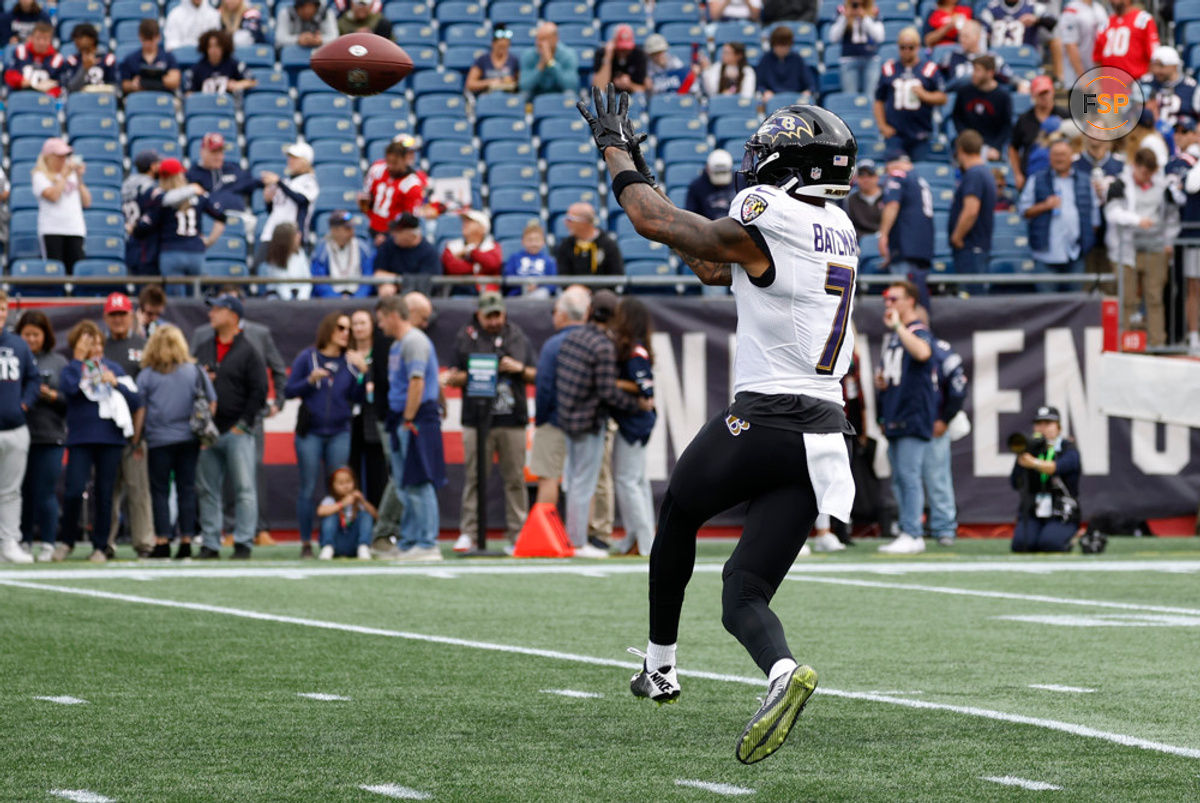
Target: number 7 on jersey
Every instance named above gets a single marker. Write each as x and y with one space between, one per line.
839 281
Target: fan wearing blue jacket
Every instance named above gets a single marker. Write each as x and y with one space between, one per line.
343 256
20 384
328 378
939 481
531 261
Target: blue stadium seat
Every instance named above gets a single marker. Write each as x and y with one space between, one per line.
676 11
384 128
680 174
101 221
674 105
440 105
434 81
270 104
524 201
49 269
444 151
65 26
680 150
84 103
781 99
730 106
1018 56
98 268
294 60
149 103
328 127
161 145
201 124
497 128
405 31
513 152
270 81
804 33
136 10
89 149
338 176
403 11
105 246
512 175
557 200
186 57
500 104
684 34
93 125
104 197
383 106
225 268
267 148
22 197
509 225
38 103
641 29
103 173
326 104
565 12
457 11
666 129
461 57
640 248
206 105
25 246
556 105
619 11
227 246
507 12
564 151
270 128
732 127
579 35
896 9
445 129
736 31
127 31
256 57
33 125
555 128
337 151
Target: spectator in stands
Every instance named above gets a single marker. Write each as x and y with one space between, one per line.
1048 481
1183 176
242 21
587 251
907 409
1081 21
187 21
548 66
141 253
1029 125
5 212
475 253
532 261
180 243
36 65
103 413
945 22
239 377
904 99
149 69
415 429
47 421
347 518
171 382
783 10
305 23
88 69
125 347
62 196
290 198
958 66
586 391
151 304
498 70
973 210
1057 205
16 25
285 259
1127 40
621 62
218 71
985 107
364 15
782 69
710 193
387 523
665 72
1145 134
631 332
326 378
393 185
721 10
1015 22
906 225
864 204
860 32
491 332
227 182
1104 167
1170 93
19 391
342 256
367 456
936 472
406 253
1138 241
732 75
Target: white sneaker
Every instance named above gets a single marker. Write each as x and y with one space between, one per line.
464 543
364 552
904 544
11 551
326 552
805 550
422 553
45 554
660 684
589 551
826 542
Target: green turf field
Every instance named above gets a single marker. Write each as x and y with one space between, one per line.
453 676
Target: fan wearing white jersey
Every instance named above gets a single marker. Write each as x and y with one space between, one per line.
781 447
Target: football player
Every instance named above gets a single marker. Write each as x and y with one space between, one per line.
782 446
1127 40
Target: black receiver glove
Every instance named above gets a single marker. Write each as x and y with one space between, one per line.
635 153
610 121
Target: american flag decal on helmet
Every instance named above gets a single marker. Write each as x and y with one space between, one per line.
841 161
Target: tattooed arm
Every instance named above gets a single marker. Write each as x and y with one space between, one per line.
708 247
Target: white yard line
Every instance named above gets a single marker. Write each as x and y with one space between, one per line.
63 700
1024 783
81 795
398 792
313 695
573 693
1064 689
727 789
757 682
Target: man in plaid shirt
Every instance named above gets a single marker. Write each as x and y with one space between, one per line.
587 388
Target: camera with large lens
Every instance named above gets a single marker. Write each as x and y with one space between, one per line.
1018 443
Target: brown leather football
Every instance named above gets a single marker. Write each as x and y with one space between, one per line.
361 63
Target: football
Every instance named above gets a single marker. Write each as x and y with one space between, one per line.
361 63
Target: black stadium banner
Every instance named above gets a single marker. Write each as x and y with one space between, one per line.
1020 352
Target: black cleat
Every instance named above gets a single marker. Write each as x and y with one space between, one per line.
240 552
208 553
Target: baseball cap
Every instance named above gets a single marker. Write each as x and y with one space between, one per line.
868 166
1041 84
170 167
340 217
117 302
406 220
895 153
1167 56
301 150
229 302
1046 413
146 160
623 39
213 142
56 146
479 217
719 167
604 305
407 140
655 43
489 302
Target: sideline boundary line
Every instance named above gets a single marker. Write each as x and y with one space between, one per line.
1000 716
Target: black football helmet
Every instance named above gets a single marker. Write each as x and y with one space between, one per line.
803 150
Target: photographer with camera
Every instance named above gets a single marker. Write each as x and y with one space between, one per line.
1046 475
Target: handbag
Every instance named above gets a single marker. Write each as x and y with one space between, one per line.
202 424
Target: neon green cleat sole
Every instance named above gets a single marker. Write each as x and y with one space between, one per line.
774 720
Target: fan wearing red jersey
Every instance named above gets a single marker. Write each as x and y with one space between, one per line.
1128 40
393 186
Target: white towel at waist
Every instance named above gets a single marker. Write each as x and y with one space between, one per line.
829 470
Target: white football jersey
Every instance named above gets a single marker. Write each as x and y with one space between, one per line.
794 335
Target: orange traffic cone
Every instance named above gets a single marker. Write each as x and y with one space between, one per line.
543 535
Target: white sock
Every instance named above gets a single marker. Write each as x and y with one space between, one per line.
780 667
658 655
1194 338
